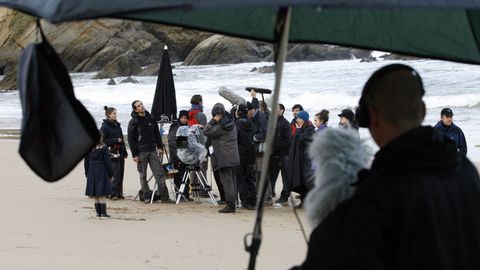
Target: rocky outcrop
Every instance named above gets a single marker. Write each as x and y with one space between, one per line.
264 69
368 59
122 65
219 49
395 56
315 52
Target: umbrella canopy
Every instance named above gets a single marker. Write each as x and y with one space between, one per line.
439 29
165 103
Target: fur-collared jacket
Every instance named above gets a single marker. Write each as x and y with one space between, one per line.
416 208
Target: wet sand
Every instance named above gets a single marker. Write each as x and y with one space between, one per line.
53 226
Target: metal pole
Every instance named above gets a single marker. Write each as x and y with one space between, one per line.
282 29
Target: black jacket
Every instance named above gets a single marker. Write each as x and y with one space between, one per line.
111 132
417 208
299 163
172 140
246 145
454 133
143 134
283 136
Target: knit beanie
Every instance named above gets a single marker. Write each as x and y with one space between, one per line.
303 115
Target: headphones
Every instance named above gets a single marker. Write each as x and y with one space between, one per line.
362 114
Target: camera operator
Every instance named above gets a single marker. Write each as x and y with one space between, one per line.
113 138
172 146
146 146
222 132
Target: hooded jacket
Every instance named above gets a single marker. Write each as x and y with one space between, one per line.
143 134
416 208
223 136
454 133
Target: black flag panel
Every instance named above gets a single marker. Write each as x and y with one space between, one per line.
57 131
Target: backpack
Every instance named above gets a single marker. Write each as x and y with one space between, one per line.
192 117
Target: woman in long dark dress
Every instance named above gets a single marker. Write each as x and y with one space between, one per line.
300 165
98 170
113 138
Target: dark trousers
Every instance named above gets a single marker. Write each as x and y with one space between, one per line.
227 176
259 167
118 167
178 177
245 176
152 159
279 164
216 175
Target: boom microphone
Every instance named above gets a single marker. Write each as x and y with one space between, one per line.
231 96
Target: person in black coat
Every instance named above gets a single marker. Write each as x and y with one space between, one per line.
451 131
172 146
147 148
245 173
98 170
279 158
417 207
113 138
300 166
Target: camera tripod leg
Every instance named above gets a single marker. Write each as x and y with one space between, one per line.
204 183
182 187
148 181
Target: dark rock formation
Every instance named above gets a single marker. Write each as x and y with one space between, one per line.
395 56
264 69
316 52
129 80
368 59
111 82
219 49
123 65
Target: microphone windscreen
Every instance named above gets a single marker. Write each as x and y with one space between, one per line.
231 96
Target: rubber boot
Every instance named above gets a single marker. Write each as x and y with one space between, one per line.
103 207
98 209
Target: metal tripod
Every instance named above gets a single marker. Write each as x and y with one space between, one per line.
202 181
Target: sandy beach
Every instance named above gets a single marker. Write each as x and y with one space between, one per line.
53 226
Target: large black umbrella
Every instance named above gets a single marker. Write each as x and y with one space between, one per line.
164 107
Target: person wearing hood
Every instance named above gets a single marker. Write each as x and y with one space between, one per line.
147 147
347 120
113 138
172 147
300 164
223 134
245 173
452 131
417 206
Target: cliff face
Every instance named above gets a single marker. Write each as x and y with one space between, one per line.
123 48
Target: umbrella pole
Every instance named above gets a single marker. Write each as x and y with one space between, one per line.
282 29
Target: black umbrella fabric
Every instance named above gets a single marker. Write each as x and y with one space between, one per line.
165 102
57 131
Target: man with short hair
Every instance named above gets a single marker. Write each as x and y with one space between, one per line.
293 124
417 207
195 114
279 157
146 146
452 131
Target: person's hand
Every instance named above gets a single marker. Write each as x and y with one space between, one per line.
135 159
253 93
217 117
120 140
159 151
